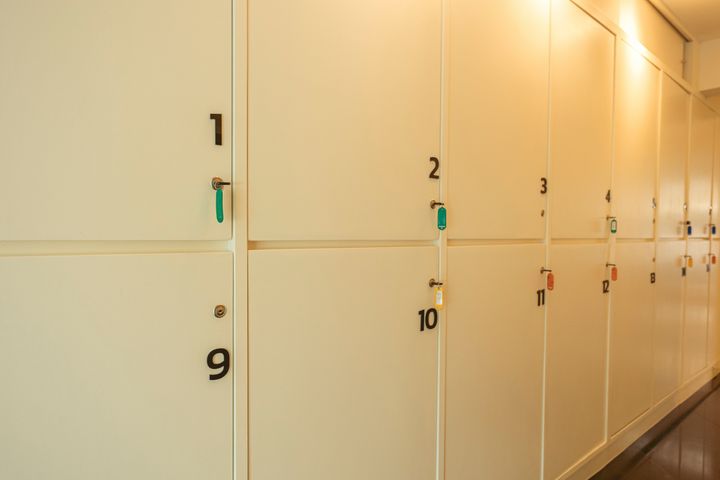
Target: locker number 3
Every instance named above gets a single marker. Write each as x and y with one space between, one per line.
223 365
428 319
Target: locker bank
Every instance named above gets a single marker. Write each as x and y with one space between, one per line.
359 240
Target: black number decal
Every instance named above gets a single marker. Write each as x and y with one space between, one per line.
606 286
224 364
434 174
425 321
541 297
652 277
543 185
608 197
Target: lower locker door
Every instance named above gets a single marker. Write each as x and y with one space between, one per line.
103 367
696 309
495 341
714 314
576 354
343 382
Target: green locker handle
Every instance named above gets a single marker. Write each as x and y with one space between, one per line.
441 214
217 185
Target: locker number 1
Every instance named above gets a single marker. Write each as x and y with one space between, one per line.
425 321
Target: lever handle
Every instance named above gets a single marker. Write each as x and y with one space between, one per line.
217 185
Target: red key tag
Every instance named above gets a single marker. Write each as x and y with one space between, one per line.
714 259
613 274
550 281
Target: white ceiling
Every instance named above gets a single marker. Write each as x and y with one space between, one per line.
700 17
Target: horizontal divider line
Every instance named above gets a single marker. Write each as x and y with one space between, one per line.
110 247
319 244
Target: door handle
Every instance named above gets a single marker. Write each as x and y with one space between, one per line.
217 185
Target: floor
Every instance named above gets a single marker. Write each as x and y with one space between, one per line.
689 451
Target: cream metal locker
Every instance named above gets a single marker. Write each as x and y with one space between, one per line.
695 325
497 118
668 326
637 85
105 123
344 108
700 167
674 124
581 123
104 367
576 355
716 181
495 344
631 334
714 306
343 381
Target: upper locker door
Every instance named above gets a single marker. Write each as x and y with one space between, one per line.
675 118
700 167
581 123
343 364
637 84
344 119
716 182
497 118
105 126
104 367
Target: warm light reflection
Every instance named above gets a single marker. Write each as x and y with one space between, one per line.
629 22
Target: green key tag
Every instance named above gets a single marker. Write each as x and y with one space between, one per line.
219 213
442 218
613 226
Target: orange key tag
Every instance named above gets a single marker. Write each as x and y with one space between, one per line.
613 274
550 281
690 262
439 298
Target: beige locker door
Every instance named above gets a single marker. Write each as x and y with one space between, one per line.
700 167
497 118
675 119
637 89
581 123
344 116
105 121
695 327
103 363
495 344
668 327
631 334
716 181
343 383
576 355
714 308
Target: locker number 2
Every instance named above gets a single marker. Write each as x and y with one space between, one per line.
428 319
433 174
223 365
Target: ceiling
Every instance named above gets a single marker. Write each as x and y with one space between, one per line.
700 17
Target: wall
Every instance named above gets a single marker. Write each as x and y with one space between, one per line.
709 60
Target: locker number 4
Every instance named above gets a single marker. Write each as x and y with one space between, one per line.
428 319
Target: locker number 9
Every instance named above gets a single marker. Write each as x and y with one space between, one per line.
223 366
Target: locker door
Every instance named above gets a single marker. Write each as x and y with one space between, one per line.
497 118
636 136
716 181
714 307
576 355
495 337
581 123
343 383
668 328
344 108
675 118
696 310
105 126
702 138
631 335
104 371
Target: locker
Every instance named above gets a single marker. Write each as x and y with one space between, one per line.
716 181
581 123
106 122
343 382
674 124
668 327
344 108
103 362
636 135
700 164
714 307
695 326
631 335
495 343
576 355
497 118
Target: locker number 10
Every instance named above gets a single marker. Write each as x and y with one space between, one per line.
428 319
